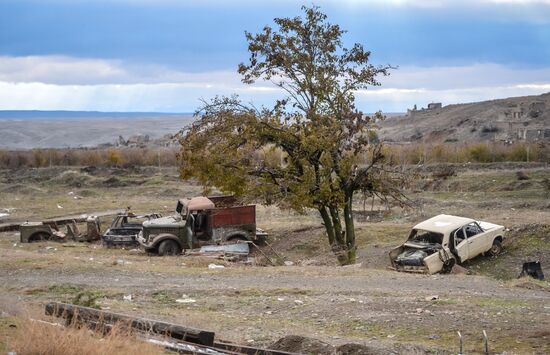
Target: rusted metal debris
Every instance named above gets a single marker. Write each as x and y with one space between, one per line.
38 231
62 220
125 228
235 248
97 317
177 338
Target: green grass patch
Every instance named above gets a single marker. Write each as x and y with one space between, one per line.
165 296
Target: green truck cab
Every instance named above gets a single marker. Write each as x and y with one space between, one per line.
200 221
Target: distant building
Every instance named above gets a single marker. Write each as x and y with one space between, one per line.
431 106
434 105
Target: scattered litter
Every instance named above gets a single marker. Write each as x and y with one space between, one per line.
238 248
298 301
288 263
77 197
14 245
185 299
280 299
2 215
353 266
121 262
391 336
59 206
51 248
70 193
432 298
215 266
127 298
91 259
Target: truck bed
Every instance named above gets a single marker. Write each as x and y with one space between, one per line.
233 216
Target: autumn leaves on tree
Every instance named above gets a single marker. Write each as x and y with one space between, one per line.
313 149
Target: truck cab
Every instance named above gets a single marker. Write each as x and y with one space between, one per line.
199 221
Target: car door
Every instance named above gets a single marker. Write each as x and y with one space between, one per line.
461 244
189 231
476 239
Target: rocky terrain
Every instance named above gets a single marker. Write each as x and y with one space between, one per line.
516 119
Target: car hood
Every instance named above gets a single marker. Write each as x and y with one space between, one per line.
162 221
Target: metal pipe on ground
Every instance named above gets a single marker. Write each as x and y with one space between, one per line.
90 315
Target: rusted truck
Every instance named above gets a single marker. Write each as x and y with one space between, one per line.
200 221
440 242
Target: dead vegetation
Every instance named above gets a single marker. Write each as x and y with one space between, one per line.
42 337
419 153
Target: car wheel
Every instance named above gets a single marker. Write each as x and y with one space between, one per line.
169 248
496 248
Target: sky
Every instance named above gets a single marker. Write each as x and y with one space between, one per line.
167 55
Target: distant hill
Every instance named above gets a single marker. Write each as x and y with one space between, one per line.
62 129
525 118
61 115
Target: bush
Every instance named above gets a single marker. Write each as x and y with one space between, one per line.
479 153
519 152
114 158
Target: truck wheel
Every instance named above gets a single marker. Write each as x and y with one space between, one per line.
169 248
496 248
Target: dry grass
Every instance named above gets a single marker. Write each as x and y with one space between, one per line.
398 154
38 337
463 153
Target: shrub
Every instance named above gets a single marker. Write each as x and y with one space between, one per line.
114 157
479 153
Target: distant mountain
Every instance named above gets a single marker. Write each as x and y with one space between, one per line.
524 119
62 129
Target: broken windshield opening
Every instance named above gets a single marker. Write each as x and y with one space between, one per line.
179 208
422 236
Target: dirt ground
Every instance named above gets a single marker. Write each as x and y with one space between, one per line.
365 303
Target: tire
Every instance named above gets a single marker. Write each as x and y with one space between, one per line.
496 248
169 248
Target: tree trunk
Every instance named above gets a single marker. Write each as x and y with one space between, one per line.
328 225
342 242
351 248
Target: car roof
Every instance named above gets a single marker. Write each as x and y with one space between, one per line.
443 223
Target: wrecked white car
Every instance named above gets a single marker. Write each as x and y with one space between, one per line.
436 244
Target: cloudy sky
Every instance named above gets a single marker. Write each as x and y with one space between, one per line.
165 55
